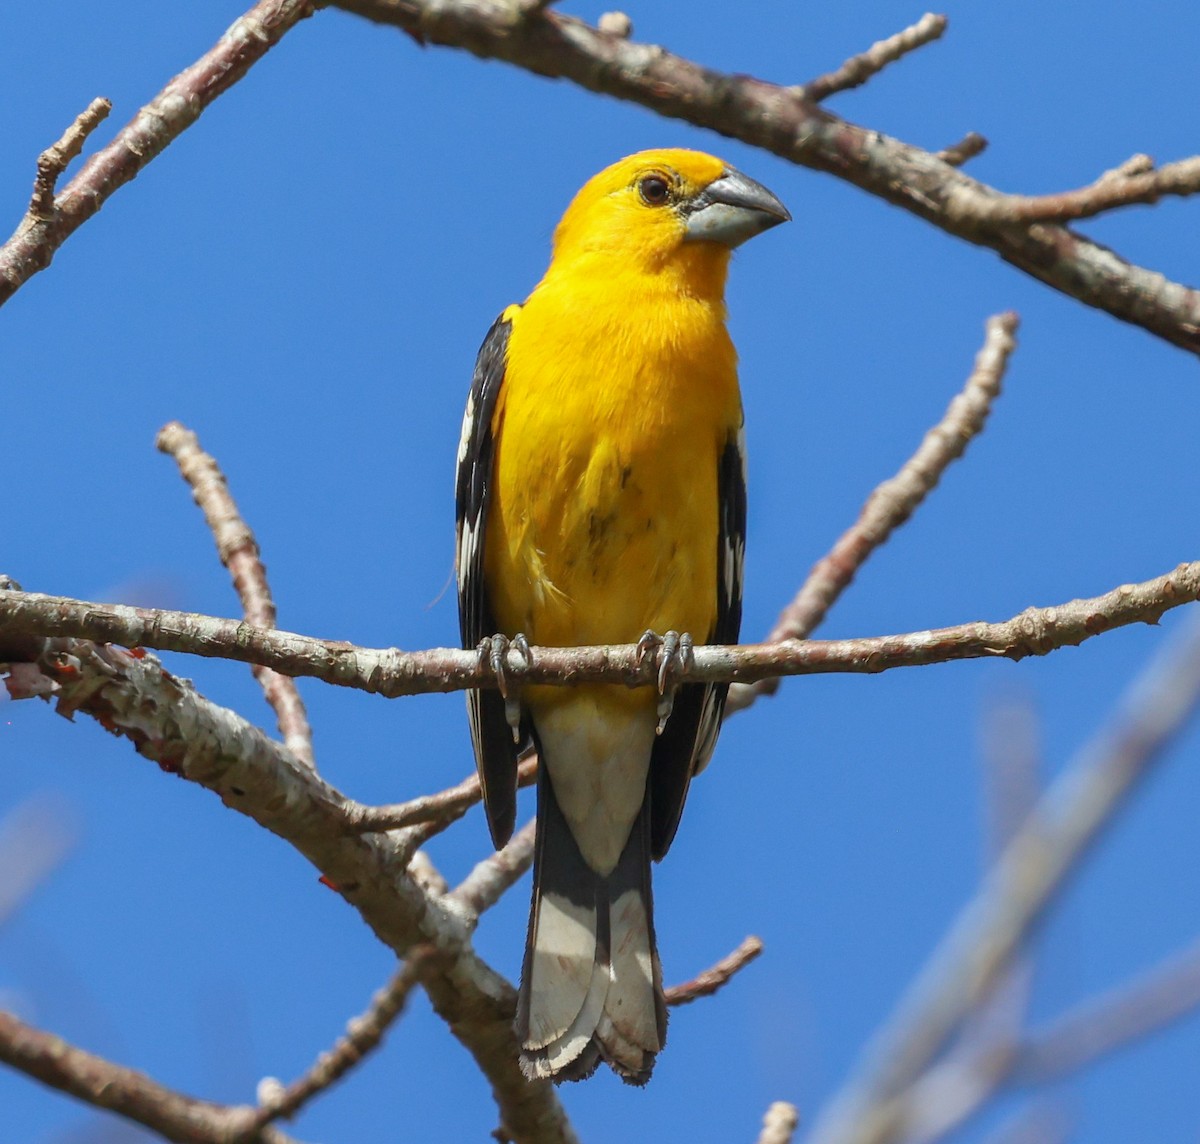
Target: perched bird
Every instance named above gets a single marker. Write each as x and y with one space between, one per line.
601 499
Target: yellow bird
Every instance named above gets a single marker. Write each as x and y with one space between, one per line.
601 499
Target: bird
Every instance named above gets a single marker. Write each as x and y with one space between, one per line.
601 499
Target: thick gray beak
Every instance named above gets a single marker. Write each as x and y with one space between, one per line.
732 209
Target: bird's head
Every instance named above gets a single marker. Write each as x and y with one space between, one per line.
658 208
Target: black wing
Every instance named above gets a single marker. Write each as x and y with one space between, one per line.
495 751
687 741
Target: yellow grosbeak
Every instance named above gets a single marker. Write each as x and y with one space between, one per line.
601 498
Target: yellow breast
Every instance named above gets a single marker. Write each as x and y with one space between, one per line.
615 407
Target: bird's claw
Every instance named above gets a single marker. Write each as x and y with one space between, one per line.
675 656
493 651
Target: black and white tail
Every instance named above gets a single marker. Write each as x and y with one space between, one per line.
591 987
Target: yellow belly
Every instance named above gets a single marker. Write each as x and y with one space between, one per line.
603 518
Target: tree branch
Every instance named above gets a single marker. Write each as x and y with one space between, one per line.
167 721
363 1035
35 839
54 160
894 501
167 116
443 808
780 120
132 1094
872 1106
858 69
391 672
238 550
779 1124
483 886
1118 188
707 983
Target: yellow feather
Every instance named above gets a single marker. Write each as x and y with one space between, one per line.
619 394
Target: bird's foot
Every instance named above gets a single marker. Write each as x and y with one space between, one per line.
674 657
493 652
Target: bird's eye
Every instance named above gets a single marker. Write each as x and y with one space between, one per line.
655 190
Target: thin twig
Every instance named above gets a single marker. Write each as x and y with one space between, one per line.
858 69
707 983
779 1124
1117 188
483 887
164 118
983 940
445 807
126 1091
390 672
895 500
238 550
964 150
363 1035
54 160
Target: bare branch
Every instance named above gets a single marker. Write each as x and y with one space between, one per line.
164 118
964 150
1117 188
444 807
238 550
363 1035
169 722
54 160
781 121
779 1124
483 887
707 983
390 672
894 501
858 69
123 1090
981 943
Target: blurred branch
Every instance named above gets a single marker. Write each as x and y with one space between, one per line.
895 500
35 838
780 120
54 160
1128 1013
167 116
871 1108
1041 1123
238 550
132 1094
167 721
779 1123
391 672
707 983
858 69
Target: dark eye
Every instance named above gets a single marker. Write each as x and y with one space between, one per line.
655 190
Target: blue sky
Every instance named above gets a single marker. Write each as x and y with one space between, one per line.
304 279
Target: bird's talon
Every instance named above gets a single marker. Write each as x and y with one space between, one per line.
493 651
650 641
